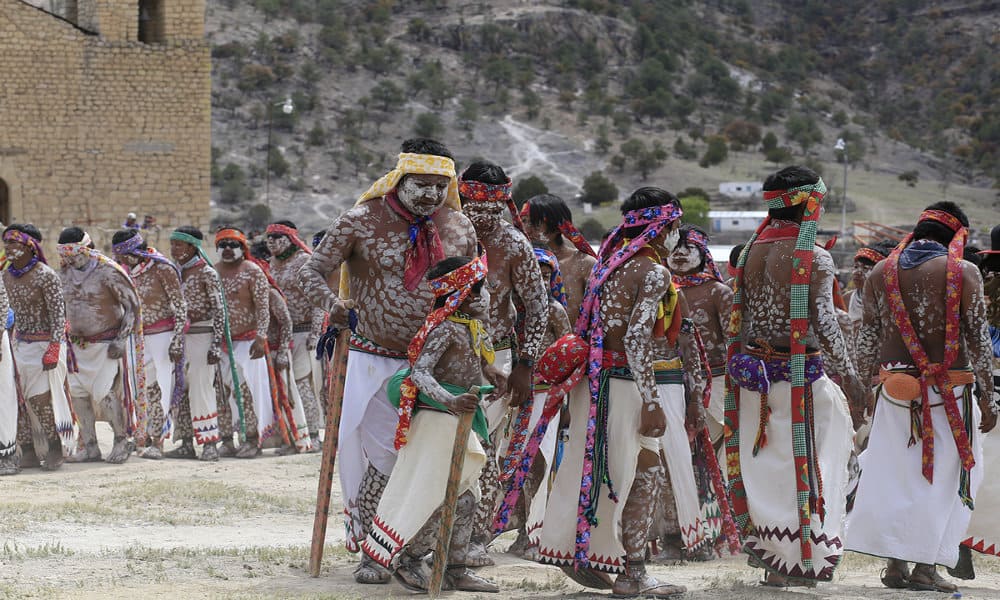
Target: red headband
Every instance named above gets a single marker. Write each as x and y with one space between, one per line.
290 233
477 191
869 254
231 234
946 219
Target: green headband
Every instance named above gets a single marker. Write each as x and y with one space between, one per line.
187 238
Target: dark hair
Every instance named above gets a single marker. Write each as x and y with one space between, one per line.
734 254
71 235
550 210
939 232
286 223
425 146
191 231
126 234
646 197
787 178
883 247
28 228
684 231
446 266
484 171
259 250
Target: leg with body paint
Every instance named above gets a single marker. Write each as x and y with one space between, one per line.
113 406
154 423
87 419
372 486
183 429
482 533
637 519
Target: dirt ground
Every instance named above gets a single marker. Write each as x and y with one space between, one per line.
241 529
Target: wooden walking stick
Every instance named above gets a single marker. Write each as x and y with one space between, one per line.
338 372
450 500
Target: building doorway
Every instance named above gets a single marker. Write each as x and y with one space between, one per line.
4 203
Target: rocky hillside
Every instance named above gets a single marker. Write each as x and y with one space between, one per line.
681 94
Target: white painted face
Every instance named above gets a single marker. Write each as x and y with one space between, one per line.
129 260
685 258
229 251
485 216
479 305
79 261
278 244
423 195
16 251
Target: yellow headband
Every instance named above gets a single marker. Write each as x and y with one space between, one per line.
416 164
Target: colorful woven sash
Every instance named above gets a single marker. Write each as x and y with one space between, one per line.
801 267
952 343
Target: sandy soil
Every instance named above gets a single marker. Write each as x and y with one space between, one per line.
241 529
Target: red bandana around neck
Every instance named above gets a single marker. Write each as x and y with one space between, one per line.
425 243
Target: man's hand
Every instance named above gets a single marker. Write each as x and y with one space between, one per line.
463 403
652 421
497 379
989 419
258 347
214 355
176 350
694 420
281 360
115 351
519 383
311 342
860 401
340 313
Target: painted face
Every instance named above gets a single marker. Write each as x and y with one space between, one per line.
685 258
129 260
546 274
423 195
859 274
485 216
478 305
278 244
181 252
78 261
229 251
16 251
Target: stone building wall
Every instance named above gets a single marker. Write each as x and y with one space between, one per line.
95 124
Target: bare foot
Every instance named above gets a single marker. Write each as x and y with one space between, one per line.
9 466
29 460
119 452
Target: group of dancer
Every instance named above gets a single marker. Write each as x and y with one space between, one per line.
220 356
605 388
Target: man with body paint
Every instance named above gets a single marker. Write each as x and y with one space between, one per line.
407 221
103 311
514 279
164 317
926 336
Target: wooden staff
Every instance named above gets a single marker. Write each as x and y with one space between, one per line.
450 499
338 373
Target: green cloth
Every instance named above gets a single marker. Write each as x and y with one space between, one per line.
479 424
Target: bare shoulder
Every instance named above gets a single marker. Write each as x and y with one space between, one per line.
650 277
822 261
252 269
517 242
357 219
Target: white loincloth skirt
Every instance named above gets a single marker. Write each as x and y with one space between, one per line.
254 373
367 431
160 370
35 381
770 480
200 381
417 485
546 453
897 514
96 375
8 399
677 452
558 540
302 442
717 410
496 411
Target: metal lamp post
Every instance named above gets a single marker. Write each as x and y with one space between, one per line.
286 107
842 147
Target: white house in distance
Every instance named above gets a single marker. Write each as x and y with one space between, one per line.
735 220
741 189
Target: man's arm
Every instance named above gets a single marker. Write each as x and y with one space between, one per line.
52 295
638 342
279 309
826 327
722 296
976 333
559 324
171 283
870 335
526 283
422 374
694 370
260 291
212 288
123 290
336 247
